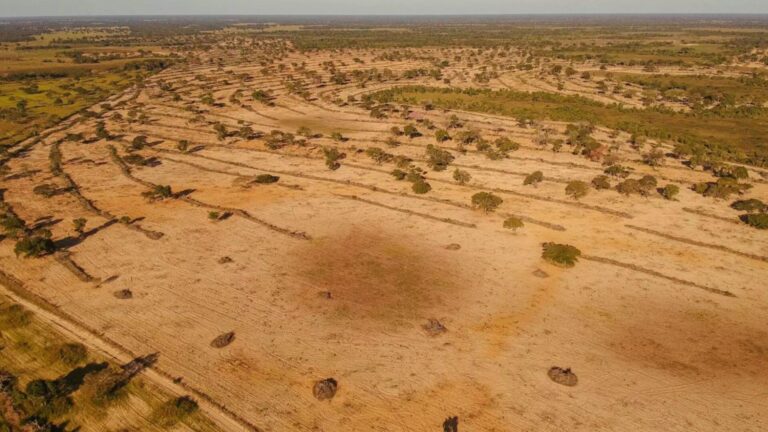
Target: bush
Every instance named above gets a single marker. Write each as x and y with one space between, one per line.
513 223
654 158
722 188
158 192
629 187
266 179
505 145
12 224
750 205
183 146
46 189
560 254
601 182
174 411
14 316
647 184
438 159
139 142
577 189
72 354
410 131
79 225
486 201
534 178
34 246
756 220
398 174
441 135
462 177
378 155
421 187
669 191
103 387
332 157
617 171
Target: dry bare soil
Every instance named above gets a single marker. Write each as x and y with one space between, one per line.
334 273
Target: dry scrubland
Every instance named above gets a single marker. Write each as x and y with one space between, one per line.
419 305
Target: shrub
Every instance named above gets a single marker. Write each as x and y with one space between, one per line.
332 157
410 131
669 191
505 144
756 220
534 178
441 135
15 316
398 174
183 145
79 225
34 246
601 182
560 254
139 142
486 201
103 387
421 187
628 187
402 161
722 188
513 223
174 411
158 192
438 159
72 354
617 171
337 136
654 158
378 155
12 224
461 176
647 184
577 189
46 189
750 205
213 215
266 179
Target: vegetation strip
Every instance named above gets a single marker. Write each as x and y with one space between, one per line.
656 274
698 243
410 212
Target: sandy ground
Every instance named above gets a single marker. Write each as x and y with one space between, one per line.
642 319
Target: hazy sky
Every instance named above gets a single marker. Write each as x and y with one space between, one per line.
362 7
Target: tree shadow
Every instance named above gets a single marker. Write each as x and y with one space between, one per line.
75 378
69 241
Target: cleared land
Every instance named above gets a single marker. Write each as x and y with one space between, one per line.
419 304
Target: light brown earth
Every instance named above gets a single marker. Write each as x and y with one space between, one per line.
642 319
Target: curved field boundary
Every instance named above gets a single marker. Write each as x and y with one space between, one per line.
712 246
656 274
238 212
353 184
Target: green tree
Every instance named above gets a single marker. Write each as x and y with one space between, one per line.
486 201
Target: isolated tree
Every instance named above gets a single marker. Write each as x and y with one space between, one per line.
486 201
513 223
577 189
441 135
438 159
533 178
601 182
79 225
183 146
654 158
421 187
560 254
669 191
462 177
332 157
